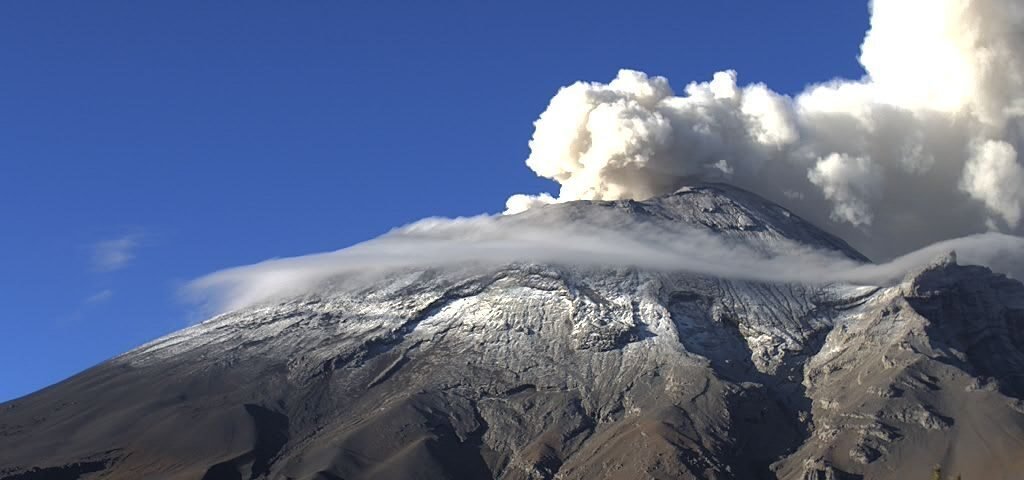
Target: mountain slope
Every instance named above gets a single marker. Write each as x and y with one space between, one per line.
541 371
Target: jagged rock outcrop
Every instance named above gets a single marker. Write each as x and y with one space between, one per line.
543 371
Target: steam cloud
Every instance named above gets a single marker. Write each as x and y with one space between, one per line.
923 148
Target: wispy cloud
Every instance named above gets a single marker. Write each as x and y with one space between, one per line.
488 241
116 253
100 297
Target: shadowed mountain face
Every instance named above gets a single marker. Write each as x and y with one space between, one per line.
541 371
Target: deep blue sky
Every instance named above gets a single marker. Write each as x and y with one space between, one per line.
215 134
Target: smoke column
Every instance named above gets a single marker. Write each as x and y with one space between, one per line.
925 147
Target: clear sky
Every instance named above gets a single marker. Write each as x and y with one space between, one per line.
144 144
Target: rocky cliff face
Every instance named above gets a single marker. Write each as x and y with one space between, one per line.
530 371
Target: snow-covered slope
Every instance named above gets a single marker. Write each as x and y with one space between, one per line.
545 371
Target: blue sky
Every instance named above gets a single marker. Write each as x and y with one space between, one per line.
144 144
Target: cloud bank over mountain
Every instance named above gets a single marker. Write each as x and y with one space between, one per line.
924 148
487 241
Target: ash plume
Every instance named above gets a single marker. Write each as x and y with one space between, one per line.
924 148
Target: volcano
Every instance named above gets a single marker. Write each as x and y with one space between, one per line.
542 371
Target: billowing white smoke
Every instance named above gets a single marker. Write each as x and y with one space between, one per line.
925 147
